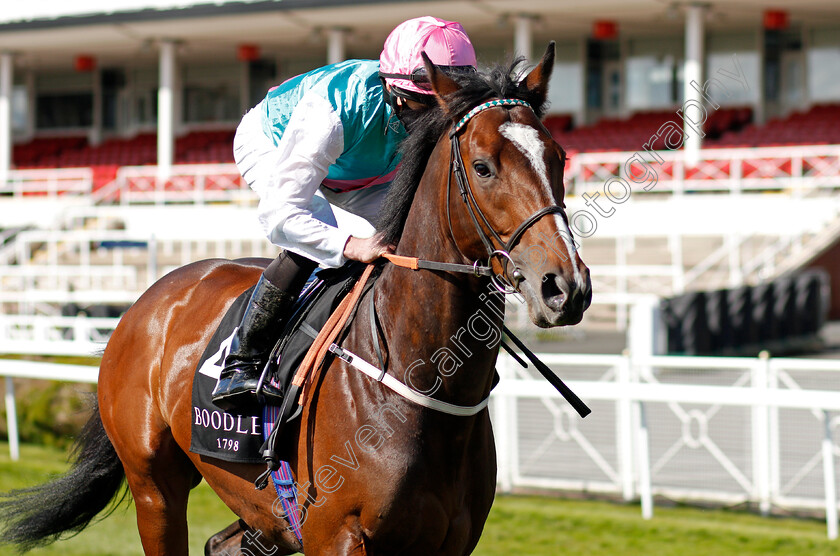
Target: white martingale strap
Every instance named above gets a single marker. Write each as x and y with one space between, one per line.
482 107
406 392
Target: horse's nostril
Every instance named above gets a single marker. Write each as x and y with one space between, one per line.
553 292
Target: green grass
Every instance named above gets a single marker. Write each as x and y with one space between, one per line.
531 525
117 534
517 525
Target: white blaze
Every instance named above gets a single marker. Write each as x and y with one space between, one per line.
527 140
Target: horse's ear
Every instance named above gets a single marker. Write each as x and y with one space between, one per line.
537 81
442 84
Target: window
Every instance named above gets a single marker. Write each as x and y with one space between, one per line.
69 110
210 104
734 53
734 63
653 67
566 87
20 108
211 93
651 82
823 61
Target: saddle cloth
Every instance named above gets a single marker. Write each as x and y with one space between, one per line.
238 435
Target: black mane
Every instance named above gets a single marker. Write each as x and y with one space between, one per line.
476 88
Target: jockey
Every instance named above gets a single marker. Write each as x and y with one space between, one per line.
321 150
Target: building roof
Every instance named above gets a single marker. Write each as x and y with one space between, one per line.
49 33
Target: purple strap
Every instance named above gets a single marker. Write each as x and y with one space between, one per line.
283 479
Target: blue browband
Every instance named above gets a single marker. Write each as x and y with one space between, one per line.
482 107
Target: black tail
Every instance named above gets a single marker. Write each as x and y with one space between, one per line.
39 515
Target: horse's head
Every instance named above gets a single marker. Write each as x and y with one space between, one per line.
508 198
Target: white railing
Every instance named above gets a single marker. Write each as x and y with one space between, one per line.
796 169
48 182
105 257
189 183
51 335
725 430
44 371
68 277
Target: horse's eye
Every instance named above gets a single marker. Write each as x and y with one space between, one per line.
482 170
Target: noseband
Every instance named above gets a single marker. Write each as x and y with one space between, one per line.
505 284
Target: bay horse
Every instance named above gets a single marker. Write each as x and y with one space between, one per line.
378 473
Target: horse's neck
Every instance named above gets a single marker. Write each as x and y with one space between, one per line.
450 323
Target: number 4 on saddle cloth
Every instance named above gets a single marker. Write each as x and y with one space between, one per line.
237 435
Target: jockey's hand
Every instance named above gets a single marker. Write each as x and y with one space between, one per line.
366 250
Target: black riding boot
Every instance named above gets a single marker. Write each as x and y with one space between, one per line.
267 310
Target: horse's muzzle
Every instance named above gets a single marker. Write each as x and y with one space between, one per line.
565 300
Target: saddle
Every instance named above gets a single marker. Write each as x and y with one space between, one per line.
238 435
317 303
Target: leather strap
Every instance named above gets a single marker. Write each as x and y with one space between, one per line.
374 330
403 390
578 404
416 264
315 356
514 238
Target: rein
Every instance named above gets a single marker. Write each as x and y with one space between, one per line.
414 263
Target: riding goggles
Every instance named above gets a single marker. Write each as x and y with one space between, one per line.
421 79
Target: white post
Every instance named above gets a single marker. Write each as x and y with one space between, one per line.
641 339
774 447
624 427
644 329
166 114
761 432
501 416
6 69
828 474
335 45
693 71
11 420
643 461
677 263
523 38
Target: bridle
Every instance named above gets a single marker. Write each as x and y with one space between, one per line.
507 282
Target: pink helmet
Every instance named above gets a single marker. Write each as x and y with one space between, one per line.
444 42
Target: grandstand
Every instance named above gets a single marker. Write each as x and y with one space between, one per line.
116 129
